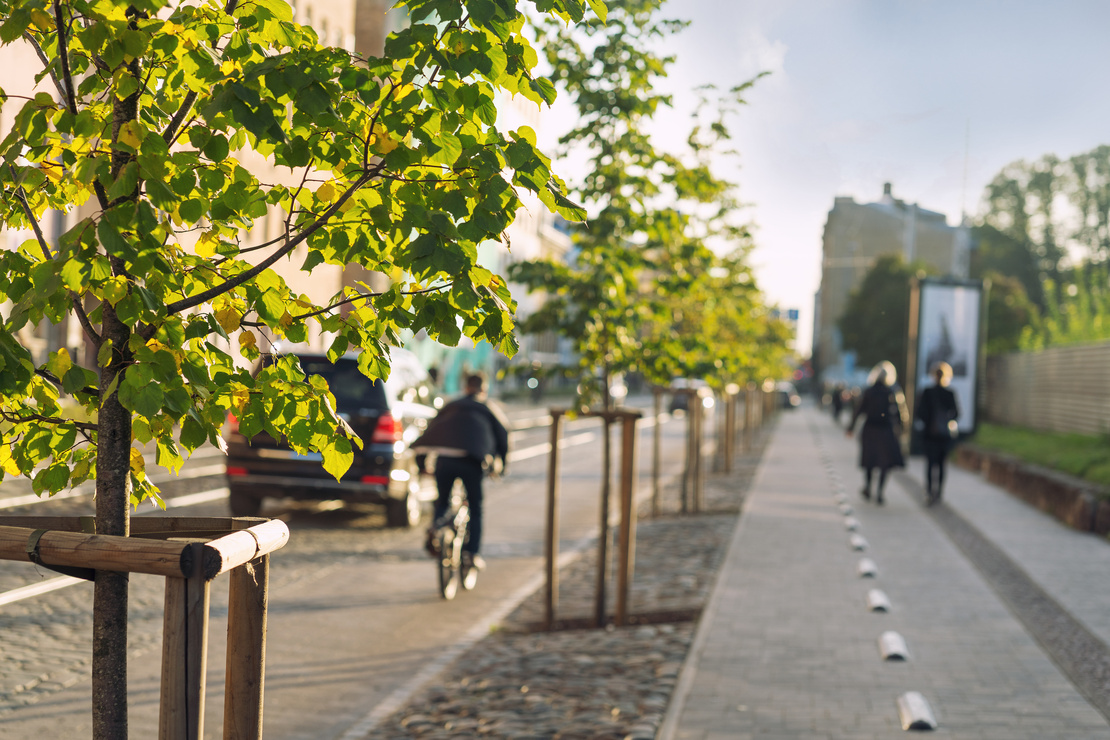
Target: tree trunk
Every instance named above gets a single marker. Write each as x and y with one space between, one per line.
113 472
113 492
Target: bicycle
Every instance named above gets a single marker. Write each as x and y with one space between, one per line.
450 534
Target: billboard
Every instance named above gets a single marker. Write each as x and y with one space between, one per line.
948 331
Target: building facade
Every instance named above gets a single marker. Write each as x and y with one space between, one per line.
858 234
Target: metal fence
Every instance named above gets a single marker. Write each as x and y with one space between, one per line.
1063 389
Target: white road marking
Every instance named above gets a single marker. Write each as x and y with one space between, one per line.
542 449
31 498
36 589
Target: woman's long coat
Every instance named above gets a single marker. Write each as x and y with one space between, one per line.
884 411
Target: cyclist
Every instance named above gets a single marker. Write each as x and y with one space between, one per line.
468 438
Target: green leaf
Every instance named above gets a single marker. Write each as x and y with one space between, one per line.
19 18
75 275
111 239
125 184
77 378
191 211
193 434
53 478
59 362
216 148
481 11
104 355
140 395
338 457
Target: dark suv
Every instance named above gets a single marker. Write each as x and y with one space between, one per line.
386 416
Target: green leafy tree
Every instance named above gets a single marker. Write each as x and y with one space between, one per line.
997 253
1022 202
875 320
611 76
1077 310
719 328
139 128
1046 208
653 214
1009 313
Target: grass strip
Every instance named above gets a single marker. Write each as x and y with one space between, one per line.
1081 455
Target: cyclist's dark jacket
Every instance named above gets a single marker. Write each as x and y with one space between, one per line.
468 425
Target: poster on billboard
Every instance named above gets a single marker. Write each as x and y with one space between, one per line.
948 331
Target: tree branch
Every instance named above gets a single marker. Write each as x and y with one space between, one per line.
16 419
45 63
63 56
21 196
344 302
55 381
78 309
232 283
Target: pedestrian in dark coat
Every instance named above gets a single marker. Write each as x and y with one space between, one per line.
884 410
937 412
468 438
837 402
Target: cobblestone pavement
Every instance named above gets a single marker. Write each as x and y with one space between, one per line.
590 683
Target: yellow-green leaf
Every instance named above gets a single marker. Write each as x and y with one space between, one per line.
59 363
7 462
115 288
228 317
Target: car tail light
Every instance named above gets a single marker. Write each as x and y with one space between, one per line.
237 471
388 430
380 480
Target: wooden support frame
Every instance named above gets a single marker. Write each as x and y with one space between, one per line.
189 552
627 530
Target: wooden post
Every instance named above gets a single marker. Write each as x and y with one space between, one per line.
757 404
656 451
627 540
551 537
748 417
184 654
246 650
603 526
730 425
699 462
691 453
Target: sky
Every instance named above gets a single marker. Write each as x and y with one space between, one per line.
862 92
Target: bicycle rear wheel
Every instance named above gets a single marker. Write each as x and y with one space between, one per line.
450 557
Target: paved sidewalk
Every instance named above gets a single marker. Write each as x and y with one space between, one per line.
788 647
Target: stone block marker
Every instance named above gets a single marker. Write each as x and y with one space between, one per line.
915 713
857 542
892 646
877 601
867 568
851 523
